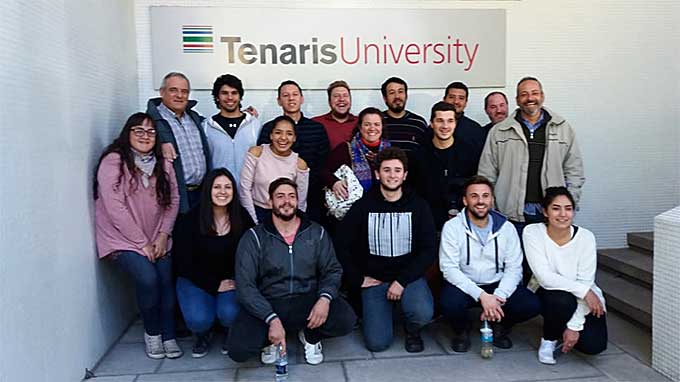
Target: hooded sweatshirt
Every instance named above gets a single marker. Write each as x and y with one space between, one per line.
467 262
386 240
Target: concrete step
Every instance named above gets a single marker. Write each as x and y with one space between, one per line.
642 240
625 297
630 262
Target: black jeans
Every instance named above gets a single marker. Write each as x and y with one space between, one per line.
519 307
248 334
557 307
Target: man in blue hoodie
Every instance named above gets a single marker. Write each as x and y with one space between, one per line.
386 243
481 259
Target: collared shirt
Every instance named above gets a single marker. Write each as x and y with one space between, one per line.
533 127
189 145
338 132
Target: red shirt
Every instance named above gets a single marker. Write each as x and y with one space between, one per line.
337 132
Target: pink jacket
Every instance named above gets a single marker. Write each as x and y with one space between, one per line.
127 218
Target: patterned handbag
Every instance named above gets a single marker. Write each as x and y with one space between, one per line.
337 207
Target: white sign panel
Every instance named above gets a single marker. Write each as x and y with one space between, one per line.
428 48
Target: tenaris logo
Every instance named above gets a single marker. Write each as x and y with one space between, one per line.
352 51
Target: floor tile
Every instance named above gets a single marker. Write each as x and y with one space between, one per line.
127 359
509 366
118 378
134 334
226 375
397 348
623 367
630 338
443 333
326 372
347 347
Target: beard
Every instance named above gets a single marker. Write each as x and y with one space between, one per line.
479 216
278 212
397 108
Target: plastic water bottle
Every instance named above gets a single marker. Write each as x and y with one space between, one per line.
487 340
281 364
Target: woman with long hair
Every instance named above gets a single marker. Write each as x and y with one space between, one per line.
136 203
268 162
205 249
358 154
563 258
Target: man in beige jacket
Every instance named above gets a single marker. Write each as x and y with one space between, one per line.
529 151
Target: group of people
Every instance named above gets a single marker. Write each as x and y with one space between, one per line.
226 217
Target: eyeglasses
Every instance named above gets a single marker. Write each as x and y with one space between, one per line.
140 132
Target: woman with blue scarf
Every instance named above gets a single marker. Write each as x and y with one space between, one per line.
358 154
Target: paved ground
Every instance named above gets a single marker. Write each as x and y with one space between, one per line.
626 359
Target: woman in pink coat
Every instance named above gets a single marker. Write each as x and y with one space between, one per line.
136 203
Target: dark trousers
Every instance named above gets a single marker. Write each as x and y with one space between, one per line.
519 307
557 308
519 226
249 334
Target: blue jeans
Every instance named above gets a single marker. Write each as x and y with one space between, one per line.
155 293
519 307
416 304
200 308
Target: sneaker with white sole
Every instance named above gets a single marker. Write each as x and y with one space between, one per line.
154 346
268 355
313 354
172 349
546 352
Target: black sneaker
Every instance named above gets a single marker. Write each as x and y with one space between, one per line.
460 343
413 343
201 345
500 336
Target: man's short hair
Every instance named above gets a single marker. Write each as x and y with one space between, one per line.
441 106
397 80
174 74
392 153
477 179
529 78
337 84
288 82
486 99
229 80
456 85
282 181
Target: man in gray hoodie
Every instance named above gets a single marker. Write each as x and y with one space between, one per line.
287 278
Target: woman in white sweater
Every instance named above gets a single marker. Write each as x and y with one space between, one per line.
563 259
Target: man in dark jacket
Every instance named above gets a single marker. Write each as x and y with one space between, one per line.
386 243
182 139
287 277
443 164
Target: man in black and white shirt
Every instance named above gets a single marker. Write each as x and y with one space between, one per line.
386 242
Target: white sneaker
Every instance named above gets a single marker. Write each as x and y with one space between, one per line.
268 355
154 346
172 349
313 354
546 353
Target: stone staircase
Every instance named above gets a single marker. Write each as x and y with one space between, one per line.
625 277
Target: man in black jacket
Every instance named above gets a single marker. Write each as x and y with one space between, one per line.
386 243
287 277
443 164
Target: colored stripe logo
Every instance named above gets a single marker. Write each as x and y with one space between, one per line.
197 39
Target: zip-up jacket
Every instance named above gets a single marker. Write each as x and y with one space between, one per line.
505 162
386 240
165 135
466 263
268 268
230 152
